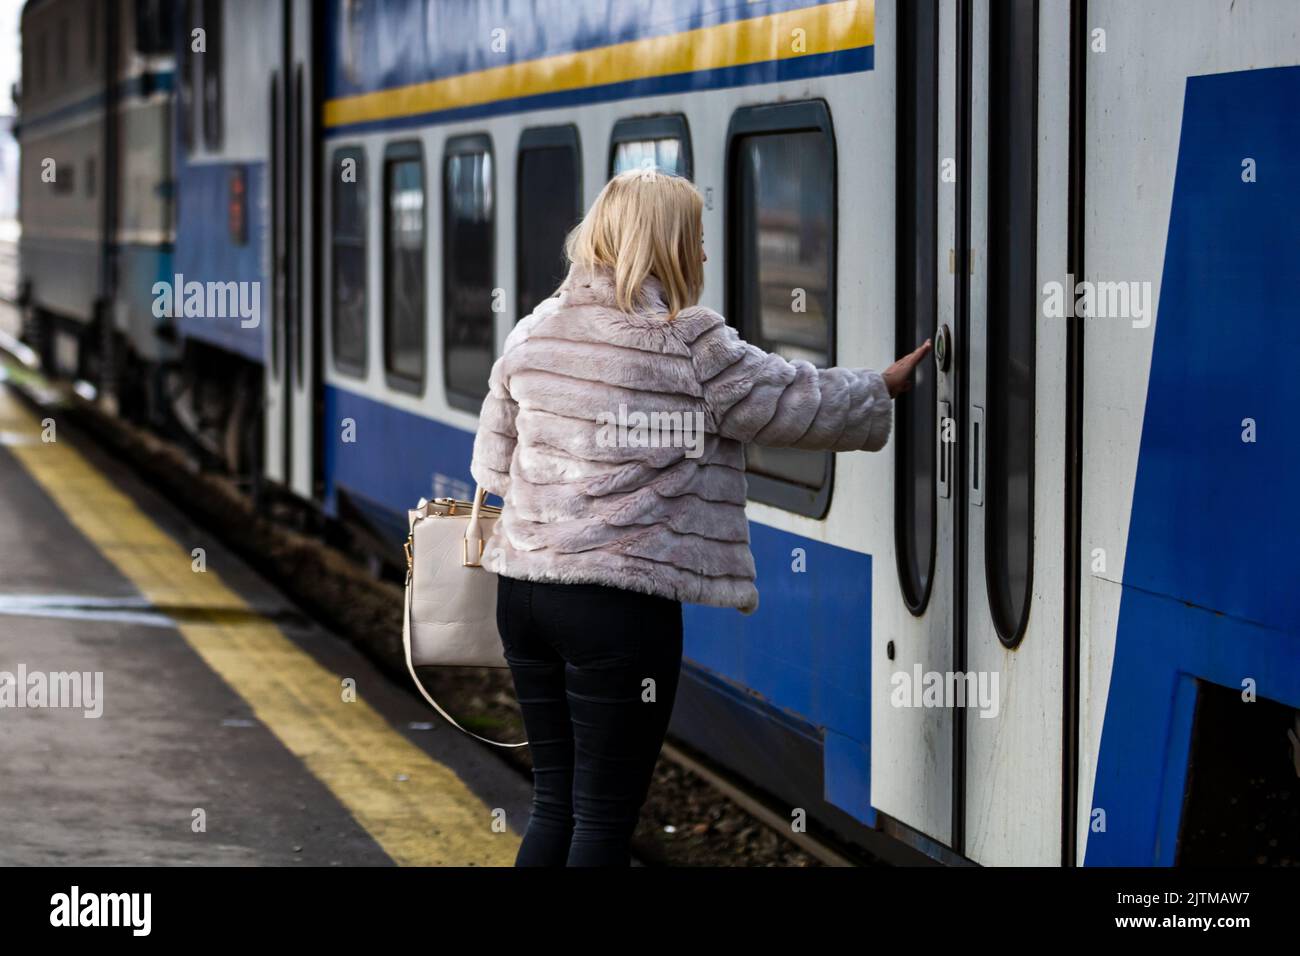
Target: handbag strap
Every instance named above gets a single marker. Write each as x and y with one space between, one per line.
479 494
473 531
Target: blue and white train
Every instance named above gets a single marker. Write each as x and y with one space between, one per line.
1057 620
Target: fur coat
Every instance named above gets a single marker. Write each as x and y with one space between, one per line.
616 441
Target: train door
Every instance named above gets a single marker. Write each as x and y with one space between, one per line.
969 745
1010 350
293 366
912 763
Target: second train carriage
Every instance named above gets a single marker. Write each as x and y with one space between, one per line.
95 186
1070 513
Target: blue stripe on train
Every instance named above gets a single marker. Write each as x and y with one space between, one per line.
805 652
131 89
1210 583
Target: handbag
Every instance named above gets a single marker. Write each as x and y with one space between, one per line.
450 616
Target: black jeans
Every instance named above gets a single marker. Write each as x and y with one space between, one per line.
596 670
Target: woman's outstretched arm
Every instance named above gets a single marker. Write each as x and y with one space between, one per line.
760 397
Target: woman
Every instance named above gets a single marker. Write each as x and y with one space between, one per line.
614 430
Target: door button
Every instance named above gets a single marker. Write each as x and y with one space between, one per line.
943 348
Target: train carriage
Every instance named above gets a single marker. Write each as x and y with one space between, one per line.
95 198
244 383
911 170
1055 621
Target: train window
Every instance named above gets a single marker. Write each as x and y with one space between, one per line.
294 196
660 141
153 26
917 306
468 244
63 48
549 202
92 33
210 64
274 178
404 266
348 259
185 86
66 184
1012 310
781 269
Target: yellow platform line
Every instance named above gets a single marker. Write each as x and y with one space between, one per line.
415 808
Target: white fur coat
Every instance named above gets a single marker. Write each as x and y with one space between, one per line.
617 441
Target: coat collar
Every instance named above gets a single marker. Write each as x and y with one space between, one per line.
596 285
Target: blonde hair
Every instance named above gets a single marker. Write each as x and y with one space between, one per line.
644 222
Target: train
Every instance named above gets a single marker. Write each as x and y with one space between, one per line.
1056 622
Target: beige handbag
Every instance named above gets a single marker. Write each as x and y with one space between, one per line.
451 600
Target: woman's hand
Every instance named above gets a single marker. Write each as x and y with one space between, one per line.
898 377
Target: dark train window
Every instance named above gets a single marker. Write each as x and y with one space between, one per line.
660 141
64 42
275 136
92 33
294 193
468 244
404 266
153 26
348 259
549 202
210 62
781 268
66 184
917 305
1012 311
185 85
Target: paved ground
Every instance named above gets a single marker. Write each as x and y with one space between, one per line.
222 705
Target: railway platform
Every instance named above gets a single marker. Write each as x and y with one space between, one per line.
163 704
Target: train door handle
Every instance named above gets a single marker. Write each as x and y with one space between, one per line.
977 456
943 348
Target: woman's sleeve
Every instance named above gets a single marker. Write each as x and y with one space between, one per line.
494 442
760 397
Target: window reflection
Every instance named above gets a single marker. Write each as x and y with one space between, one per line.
404 295
787 195
468 273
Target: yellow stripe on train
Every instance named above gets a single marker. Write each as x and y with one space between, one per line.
828 28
